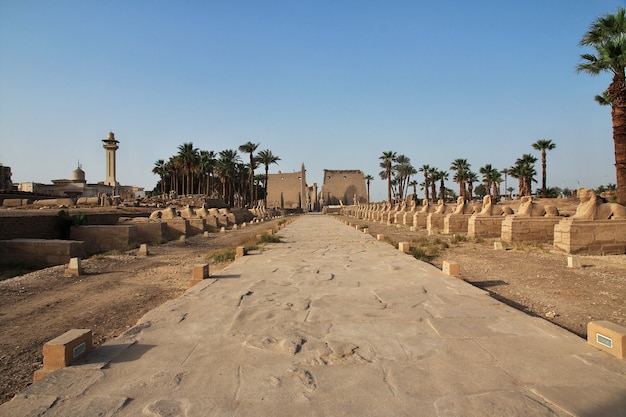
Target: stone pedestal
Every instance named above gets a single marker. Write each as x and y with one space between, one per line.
591 237
455 223
484 226
434 222
528 229
419 220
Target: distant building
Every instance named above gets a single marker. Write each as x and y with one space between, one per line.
77 186
5 178
345 187
290 191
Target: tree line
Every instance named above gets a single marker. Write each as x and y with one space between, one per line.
222 174
399 173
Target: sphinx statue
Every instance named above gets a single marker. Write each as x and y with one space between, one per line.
490 209
442 207
592 207
530 208
462 207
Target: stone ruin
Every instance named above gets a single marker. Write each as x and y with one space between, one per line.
590 226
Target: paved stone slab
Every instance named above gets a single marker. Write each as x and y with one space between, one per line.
334 322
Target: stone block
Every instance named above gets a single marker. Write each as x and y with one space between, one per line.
366 230
591 237
573 262
607 336
498 246
484 226
451 268
153 232
404 247
63 350
40 252
74 268
380 237
239 252
196 226
176 227
143 250
198 273
104 238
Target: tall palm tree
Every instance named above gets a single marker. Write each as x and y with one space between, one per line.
487 173
470 179
188 158
160 169
403 170
461 166
227 172
426 184
607 35
266 158
524 171
174 166
442 176
367 179
543 145
249 148
414 185
496 180
387 159
207 166
432 175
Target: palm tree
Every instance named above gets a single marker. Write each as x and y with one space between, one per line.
403 170
249 148
524 171
414 185
543 145
387 159
426 184
174 167
607 35
188 157
496 180
207 165
160 169
367 179
442 176
227 172
460 165
266 158
432 174
487 173
470 179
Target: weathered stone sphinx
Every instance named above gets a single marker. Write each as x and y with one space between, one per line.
388 217
435 220
406 207
407 218
421 216
457 221
530 208
531 222
165 214
488 222
592 207
597 228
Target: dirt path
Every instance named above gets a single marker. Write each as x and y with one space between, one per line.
118 290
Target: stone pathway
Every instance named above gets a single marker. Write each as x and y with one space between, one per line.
334 323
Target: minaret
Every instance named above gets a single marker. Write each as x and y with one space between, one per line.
110 145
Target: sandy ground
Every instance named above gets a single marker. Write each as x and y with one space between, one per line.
117 290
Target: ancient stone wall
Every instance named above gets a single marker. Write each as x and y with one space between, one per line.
286 190
343 185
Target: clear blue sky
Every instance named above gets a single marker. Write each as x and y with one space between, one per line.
331 84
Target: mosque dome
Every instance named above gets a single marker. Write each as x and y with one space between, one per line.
78 175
